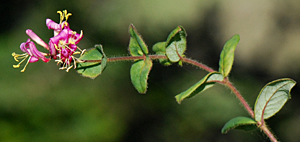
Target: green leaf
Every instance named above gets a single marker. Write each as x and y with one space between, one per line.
243 123
176 44
205 83
137 46
272 98
227 55
92 69
139 74
160 49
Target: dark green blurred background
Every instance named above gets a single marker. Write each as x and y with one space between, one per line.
47 104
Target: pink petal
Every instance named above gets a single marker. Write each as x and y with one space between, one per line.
78 37
33 59
52 25
24 45
36 38
73 47
34 51
37 54
52 48
61 36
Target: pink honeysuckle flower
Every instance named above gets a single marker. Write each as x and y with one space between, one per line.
30 52
65 43
62 46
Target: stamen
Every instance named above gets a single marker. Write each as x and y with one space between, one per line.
65 24
66 46
19 56
61 16
81 49
59 61
69 68
74 60
82 52
55 46
67 14
77 52
25 65
81 33
16 66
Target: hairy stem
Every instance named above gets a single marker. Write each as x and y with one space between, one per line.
268 132
239 96
226 82
153 57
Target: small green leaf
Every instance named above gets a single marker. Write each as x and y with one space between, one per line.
227 55
137 46
176 44
92 69
134 48
208 81
160 49
243 123
139 74
272 98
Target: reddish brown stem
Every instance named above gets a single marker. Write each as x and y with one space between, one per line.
239 96
130 58
226 82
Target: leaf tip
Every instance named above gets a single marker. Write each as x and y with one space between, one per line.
178 99
131 25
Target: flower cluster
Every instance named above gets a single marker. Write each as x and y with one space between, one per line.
61 47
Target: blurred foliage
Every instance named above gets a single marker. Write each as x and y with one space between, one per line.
46 104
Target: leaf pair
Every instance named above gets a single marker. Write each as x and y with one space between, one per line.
174 47
140 70
269 101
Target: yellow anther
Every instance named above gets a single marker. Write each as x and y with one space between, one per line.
81 33
55 46
71 42
61 16
77 52
66 14
20 56
69 68
16 66
15 56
